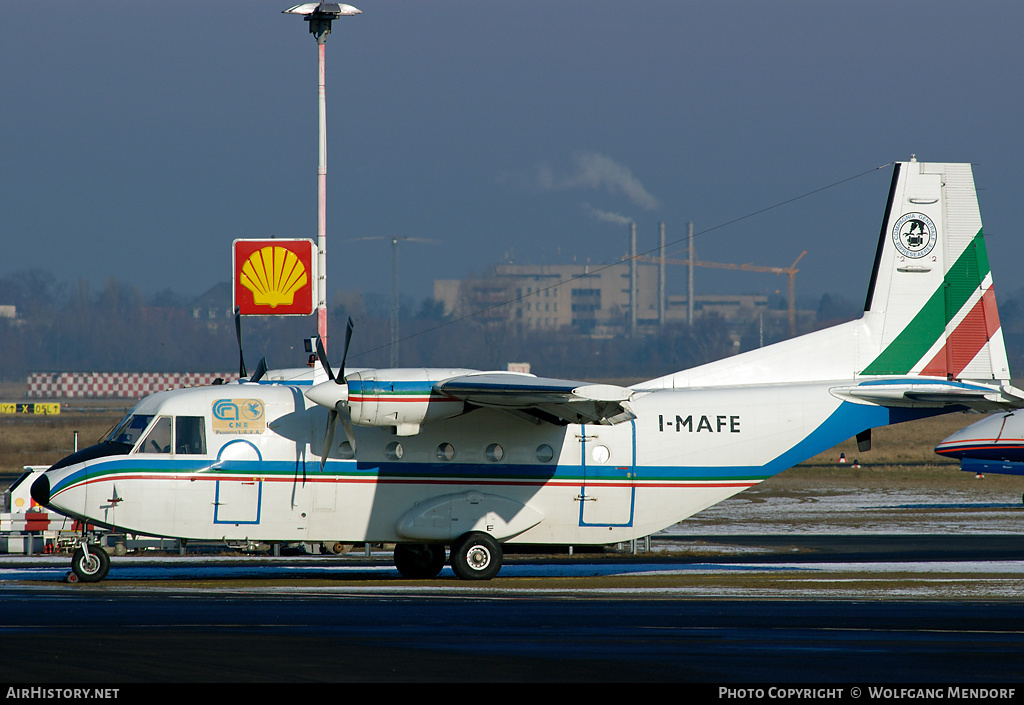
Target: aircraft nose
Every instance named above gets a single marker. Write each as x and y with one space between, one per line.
41 490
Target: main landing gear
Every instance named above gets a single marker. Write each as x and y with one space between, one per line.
474 556
419 561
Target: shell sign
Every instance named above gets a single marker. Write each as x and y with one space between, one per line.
275 277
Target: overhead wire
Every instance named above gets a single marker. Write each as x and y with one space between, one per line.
600 268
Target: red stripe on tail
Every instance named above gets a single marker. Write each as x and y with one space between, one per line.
964 343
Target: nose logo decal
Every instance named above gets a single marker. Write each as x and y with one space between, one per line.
239 416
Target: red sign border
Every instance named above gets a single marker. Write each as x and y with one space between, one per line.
304 303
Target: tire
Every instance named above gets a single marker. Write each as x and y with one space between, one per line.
419 561
476 556
92 568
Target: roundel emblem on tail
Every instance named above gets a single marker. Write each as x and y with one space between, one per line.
914 235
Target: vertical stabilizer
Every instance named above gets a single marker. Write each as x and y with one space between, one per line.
930 305
930 310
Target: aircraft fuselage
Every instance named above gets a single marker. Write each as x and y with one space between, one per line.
255 474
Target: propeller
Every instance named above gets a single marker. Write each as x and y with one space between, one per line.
261 368
238 334
336 400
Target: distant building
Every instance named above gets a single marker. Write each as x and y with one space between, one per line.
593 299
588 298
213 306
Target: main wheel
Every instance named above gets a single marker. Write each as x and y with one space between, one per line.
419 561
476 556
90 568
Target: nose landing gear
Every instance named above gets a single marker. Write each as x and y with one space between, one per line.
89 564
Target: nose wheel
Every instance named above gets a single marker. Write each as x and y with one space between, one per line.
89 564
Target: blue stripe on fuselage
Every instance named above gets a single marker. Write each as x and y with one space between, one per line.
845 422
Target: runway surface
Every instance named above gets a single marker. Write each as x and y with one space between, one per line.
112 635
722 598
751 609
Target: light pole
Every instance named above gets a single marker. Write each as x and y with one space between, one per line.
320 15
394 284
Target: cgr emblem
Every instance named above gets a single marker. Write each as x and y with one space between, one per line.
914 235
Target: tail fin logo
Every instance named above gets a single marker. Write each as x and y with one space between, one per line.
914 235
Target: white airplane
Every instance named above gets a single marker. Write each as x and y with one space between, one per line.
993 445
436 458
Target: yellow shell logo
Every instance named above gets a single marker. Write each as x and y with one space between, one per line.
273 275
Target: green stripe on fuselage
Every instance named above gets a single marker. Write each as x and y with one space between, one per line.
960 282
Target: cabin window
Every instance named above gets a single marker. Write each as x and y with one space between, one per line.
190 435
345 451
158 440
445 452
495 452
394 451
545 453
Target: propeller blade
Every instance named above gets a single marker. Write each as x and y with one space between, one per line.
348 339
346 423
332 422
261 369
238 334
322 356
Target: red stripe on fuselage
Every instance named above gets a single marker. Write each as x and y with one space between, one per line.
389 398
423 481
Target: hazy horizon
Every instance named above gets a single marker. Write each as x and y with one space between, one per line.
139 141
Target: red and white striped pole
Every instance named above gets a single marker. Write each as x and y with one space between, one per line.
320 15
321 219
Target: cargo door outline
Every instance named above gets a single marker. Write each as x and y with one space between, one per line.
238 499
622 495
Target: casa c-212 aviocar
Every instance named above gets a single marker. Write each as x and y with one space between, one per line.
451 465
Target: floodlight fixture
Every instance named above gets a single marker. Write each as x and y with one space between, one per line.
320 15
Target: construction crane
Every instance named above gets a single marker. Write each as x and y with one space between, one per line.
790 271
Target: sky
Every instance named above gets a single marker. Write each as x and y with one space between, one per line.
139 139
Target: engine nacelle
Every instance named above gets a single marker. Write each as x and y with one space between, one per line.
403 398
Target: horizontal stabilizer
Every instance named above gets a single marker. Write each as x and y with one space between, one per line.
923 395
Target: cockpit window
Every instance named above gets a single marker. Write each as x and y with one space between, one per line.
130 429
158 440
190 435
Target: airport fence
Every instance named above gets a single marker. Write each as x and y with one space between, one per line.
114 384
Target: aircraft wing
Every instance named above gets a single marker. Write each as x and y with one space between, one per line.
931 394
558 401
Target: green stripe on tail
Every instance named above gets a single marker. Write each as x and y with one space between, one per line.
914 341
